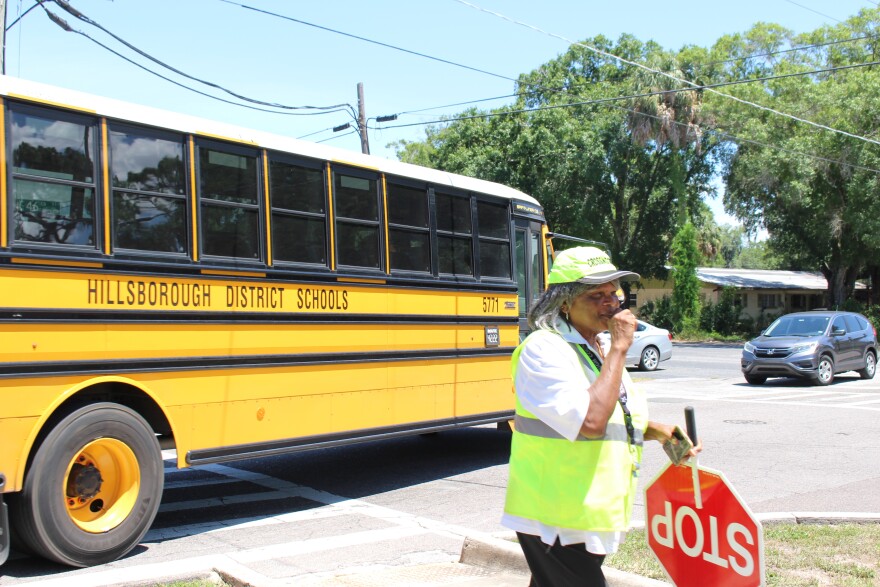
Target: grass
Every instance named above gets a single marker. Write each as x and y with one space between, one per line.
795 555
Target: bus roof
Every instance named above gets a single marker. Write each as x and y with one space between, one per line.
127 112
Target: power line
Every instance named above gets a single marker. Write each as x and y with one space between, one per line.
740 140
71 10
317 132
518 94
22 15
733 138
709 87
60 22
353 132
737 139
789 50
543 88
672 77
813 11
380 43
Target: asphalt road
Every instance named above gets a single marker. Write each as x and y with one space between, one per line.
785 446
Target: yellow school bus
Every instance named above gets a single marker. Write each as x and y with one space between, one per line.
167 282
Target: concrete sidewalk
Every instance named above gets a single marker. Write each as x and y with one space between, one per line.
485 562
488 561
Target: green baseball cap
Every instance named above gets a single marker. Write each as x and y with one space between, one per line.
588 265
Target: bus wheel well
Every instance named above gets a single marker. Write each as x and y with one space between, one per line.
118 393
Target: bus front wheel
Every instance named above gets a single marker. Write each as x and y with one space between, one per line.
92 489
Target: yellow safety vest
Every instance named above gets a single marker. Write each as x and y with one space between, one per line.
588 484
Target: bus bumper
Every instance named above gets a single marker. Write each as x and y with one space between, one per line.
4 525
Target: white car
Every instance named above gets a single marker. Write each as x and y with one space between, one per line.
650 346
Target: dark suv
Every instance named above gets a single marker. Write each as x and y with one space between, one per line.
814 345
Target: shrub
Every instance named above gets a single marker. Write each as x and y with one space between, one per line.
724 317
658 312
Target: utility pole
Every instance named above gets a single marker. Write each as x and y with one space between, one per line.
3 37
362 119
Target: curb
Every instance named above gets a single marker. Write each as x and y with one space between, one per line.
211 577
500 554
497 554
819 518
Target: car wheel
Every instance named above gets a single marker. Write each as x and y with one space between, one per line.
825 372
870 366
755 380
650 358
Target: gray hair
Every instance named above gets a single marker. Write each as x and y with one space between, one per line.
547 308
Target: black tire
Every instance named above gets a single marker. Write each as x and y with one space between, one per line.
650 358
870 366
755 380
825 371
92 489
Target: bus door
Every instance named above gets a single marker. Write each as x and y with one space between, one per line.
529 268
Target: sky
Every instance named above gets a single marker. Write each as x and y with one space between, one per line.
457 52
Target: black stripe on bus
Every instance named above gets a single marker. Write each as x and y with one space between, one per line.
278 447
23 316
294 277
135 365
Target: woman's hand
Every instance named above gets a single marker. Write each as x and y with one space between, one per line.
622 328
663 433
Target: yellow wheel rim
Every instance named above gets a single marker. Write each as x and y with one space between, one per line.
101 485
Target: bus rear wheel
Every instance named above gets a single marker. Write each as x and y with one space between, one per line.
92 489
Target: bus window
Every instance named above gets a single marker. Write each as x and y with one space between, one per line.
454 244
299 231
529 275
536 276
53 177
408 229
230 209
148 177
357 220
494 230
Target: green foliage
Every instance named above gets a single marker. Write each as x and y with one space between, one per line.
735 250
686 285
722 321
658 312
813 190
617 175
724 317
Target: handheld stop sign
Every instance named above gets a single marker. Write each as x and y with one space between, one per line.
699 528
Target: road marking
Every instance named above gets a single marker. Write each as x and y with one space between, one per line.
326 543
332 505
864 403
858 395
154 572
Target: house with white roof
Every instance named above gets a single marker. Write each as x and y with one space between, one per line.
761 292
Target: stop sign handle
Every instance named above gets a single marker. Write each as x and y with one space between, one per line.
690 421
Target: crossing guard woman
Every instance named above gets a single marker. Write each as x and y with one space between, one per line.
580 425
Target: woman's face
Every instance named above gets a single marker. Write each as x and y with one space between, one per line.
590 312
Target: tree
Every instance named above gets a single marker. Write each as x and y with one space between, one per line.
624 174
685 285
813 190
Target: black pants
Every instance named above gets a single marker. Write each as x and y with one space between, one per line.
561 566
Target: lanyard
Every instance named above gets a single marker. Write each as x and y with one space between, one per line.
621 398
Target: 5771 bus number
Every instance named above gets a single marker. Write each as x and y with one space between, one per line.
490 305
